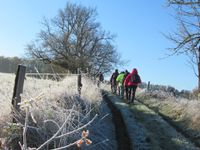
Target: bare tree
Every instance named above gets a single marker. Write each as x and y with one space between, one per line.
187 37
73 39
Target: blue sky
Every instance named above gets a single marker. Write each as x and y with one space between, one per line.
138 24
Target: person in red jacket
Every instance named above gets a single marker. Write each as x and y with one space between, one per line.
131 82
126 88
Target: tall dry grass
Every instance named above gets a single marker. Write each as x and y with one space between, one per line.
184 113
51 106
7 85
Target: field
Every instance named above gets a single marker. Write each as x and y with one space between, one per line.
49 106
54 116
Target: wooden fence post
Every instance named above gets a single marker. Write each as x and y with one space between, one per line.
148 86
18 87
79 84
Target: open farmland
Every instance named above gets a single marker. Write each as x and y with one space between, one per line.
56 117
54 105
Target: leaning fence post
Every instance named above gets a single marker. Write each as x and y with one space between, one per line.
18 87
79 84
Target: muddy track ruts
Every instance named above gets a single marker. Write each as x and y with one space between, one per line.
122 137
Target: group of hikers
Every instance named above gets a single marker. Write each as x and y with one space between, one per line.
125 83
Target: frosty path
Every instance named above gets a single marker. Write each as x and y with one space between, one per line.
146 129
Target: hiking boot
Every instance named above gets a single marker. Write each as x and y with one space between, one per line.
132 101
128 102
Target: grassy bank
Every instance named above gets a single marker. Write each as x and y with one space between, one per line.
160 134
183 114
49 107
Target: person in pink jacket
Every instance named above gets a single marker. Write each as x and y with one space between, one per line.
131 82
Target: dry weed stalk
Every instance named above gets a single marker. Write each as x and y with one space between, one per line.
56 102
23 146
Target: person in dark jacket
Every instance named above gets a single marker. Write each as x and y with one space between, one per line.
113 81
101 79
132 81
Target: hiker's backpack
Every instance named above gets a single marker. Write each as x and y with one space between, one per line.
114 77
135 78
125 77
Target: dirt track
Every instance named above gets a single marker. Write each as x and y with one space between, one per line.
157 132
122 137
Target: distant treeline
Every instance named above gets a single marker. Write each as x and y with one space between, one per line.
9 65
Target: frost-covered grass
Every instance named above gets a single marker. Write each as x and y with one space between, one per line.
6 90
50 90
182 112
51 106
